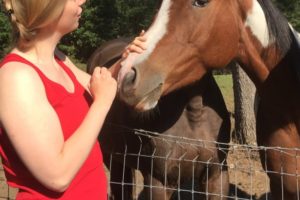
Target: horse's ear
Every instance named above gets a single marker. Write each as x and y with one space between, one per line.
108 53
93 61
111 62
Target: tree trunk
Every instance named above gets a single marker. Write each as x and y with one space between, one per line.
244 105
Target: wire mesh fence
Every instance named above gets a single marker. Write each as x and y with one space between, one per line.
175 173
247 179
164 165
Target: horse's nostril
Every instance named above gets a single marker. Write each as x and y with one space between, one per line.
130 77
134 76
130 81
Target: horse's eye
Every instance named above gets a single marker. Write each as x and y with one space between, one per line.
200 3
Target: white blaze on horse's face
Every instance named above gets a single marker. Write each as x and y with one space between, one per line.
156 32
257 23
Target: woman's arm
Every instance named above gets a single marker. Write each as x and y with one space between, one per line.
34 128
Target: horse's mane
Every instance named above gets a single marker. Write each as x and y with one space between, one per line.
278 26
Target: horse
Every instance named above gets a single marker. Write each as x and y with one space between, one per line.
197 111
189 39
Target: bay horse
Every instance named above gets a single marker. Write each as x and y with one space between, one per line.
188 39
196 111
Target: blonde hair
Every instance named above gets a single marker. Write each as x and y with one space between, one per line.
29 16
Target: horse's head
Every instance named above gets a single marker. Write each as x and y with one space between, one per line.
188 38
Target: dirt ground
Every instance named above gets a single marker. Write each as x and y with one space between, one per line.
5 191
247 177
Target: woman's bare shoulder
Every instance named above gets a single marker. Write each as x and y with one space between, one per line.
17 71
18 80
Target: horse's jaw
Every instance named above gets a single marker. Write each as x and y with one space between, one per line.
142 104
140 95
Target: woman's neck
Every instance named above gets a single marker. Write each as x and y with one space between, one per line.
43 49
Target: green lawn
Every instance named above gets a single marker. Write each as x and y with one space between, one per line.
81 66
78 64
226 86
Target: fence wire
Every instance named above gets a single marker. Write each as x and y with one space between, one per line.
248 178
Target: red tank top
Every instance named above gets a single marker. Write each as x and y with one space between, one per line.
71 108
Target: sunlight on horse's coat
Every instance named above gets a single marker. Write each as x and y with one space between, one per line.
256 21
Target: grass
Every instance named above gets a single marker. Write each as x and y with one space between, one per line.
78 64
81 66
226 85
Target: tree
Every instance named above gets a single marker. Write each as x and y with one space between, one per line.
291 9
104 20
244 106
4 33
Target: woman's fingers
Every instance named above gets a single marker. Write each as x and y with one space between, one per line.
142 33
134 48
126 53
96 71
101 72
105 73
138 45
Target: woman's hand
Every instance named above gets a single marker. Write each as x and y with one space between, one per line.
138 45
103 86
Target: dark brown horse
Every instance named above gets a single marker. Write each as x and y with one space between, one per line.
190 38
196 112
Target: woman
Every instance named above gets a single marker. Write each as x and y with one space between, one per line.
51 112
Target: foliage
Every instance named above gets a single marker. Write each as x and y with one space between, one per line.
291 9
4 33
103 20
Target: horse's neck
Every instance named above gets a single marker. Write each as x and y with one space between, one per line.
249 58
296 53
265 39
259 62
271 72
